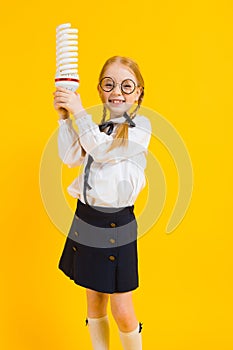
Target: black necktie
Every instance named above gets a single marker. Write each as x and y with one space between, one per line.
109 126
129 120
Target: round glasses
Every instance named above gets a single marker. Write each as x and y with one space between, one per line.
107 84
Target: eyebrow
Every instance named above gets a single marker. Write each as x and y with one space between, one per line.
107 76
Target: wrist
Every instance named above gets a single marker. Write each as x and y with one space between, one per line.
63 114
80 113
63 117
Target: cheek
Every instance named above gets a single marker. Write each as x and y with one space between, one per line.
131 99
103 97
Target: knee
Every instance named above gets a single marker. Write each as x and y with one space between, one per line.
124 318
96 304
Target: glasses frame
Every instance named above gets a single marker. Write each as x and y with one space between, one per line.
115 84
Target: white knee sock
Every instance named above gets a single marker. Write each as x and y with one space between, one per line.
132 340
99 332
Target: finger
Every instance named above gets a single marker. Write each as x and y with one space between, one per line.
61 99
60 105
60 93
56 105
61 89
65 94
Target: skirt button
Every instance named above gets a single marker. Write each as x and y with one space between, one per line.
113 224
112 240
111 257
74 248
76 233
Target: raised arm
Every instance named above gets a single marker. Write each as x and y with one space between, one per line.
69 148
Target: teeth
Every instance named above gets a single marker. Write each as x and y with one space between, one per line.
116 101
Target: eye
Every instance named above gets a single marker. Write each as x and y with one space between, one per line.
107 84
128 86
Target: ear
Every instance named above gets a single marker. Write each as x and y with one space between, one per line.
99 89
100 92
138 93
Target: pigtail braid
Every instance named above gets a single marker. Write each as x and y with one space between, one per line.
134 113
104 114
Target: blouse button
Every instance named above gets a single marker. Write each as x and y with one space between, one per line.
112 240
74 248
112 257
113 224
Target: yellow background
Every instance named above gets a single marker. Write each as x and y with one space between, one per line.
184 50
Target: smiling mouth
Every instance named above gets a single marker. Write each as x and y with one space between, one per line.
116 101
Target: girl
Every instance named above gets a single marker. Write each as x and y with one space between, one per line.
100 252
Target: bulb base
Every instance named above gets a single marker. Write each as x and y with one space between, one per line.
69 82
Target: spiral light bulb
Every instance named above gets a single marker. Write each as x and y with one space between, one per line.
67 57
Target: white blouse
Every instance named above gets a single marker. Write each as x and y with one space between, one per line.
117 176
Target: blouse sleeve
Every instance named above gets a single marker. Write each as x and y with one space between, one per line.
69 148
97 143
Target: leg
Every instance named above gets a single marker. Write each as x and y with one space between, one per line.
97 319
124 315
96 303
123 311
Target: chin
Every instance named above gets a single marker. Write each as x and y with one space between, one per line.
117 110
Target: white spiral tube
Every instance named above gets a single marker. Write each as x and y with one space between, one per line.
67 57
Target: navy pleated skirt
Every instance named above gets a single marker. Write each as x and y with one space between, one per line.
100 252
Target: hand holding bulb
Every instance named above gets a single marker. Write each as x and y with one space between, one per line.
69 101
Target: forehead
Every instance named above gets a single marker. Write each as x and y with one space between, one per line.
119 72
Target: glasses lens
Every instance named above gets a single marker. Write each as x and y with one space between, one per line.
107 84
128 86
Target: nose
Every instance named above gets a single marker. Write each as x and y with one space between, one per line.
117 89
